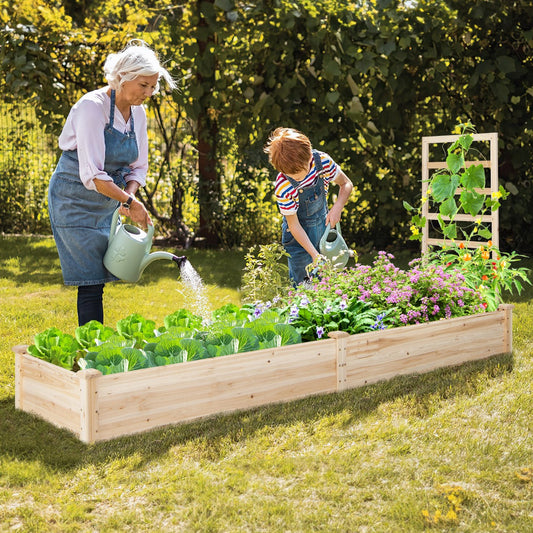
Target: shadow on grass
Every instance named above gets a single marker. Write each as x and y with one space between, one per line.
28 438
37 261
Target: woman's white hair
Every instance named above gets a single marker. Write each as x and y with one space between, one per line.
137 59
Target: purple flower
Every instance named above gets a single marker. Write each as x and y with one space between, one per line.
319 332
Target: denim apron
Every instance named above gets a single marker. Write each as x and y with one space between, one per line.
312 213
81 218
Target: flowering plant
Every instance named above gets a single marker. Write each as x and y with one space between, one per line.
378 296
485 269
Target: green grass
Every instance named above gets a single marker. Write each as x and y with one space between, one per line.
447 451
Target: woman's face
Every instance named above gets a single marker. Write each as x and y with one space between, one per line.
136 91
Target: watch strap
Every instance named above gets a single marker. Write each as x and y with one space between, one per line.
127 203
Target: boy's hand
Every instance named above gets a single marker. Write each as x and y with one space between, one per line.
312 268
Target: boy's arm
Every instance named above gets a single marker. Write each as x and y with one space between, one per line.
301 236
345 189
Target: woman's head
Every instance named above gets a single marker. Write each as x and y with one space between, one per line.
137 59
289 151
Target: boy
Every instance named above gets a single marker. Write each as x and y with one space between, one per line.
301 193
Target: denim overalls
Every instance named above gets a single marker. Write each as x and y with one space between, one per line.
81 218
312 212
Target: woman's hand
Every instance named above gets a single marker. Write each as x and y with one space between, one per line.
137 213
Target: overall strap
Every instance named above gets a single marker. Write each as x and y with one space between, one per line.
318 161
112 109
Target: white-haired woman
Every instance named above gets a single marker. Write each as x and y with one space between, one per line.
104 161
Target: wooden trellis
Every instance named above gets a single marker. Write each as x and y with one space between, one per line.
491 164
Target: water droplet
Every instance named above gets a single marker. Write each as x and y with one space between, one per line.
196 291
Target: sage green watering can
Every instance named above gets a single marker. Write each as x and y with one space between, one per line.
334 248
128 250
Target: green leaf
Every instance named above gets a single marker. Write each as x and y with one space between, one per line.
473 177
465 141
288 334
472 202
247 339
455 162
485 233
443 186
448 208
92 333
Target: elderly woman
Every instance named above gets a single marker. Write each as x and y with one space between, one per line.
103 163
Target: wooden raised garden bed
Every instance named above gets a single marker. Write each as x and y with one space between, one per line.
97 407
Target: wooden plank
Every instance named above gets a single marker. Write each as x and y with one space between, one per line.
89 416
341 337
460 217
466 244
435 165
137 401
49 391
439 139
421 348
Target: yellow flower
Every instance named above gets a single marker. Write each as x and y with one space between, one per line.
496 195
424 199
478 220
414 230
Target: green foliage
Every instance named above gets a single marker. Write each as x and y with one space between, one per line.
316 318
485 269
93 333
366 81
137 344
442 189
56 347
265 274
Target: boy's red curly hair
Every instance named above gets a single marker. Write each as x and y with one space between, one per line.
289 150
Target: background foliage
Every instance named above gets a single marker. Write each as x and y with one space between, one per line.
365 80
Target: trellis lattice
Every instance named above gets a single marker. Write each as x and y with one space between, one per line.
429 163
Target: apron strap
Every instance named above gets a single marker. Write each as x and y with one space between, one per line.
112 113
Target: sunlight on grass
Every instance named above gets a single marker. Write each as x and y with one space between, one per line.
447 451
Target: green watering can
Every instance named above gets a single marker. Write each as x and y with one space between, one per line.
334 248
128 251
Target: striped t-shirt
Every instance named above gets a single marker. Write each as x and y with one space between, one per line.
287 195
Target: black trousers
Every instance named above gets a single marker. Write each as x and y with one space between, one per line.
90 303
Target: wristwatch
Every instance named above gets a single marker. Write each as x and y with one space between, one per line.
127 203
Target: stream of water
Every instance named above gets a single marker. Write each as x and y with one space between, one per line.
195 291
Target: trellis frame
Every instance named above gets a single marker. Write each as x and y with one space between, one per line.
491 164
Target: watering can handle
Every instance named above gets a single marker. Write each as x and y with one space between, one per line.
149 235
113 230
326 233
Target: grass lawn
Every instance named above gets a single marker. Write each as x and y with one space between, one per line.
447 451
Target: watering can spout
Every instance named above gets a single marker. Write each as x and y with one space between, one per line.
180 260
154 256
